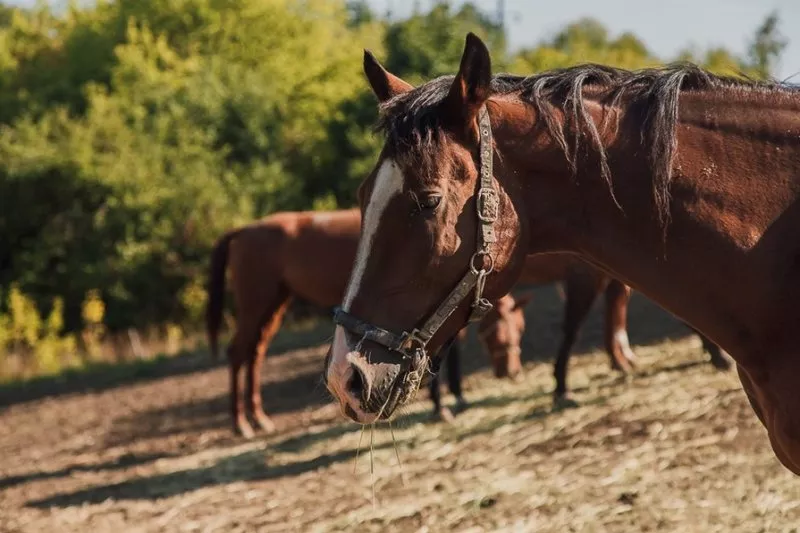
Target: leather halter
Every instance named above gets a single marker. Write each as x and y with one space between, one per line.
411 345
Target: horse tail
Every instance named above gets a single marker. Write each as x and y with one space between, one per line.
216 290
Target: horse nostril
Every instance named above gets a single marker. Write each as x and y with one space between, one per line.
358 383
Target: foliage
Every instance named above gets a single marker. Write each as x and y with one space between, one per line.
134 132
585 41
428 45
24 330
421 47
184 128
717 60
766 47
92 312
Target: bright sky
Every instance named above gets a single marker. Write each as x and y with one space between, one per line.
666 26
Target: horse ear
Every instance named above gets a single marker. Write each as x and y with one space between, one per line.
523 299
472 85
384 84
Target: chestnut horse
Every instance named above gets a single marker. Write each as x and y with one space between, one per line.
682 184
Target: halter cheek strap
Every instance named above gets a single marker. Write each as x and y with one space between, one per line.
411 345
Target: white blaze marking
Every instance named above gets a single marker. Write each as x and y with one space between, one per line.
388 184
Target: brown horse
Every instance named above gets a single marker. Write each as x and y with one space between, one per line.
310 255
682 184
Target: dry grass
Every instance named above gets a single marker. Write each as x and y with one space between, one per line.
676 448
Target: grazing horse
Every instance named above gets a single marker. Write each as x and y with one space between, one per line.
681 184
500 332
582 285
305 254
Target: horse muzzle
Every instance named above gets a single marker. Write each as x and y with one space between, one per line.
374 390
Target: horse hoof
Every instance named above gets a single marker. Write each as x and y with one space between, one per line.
563 401
266 424
622 365
461 405
244 430
443 414
516 378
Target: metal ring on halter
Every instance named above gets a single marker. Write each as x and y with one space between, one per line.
481 270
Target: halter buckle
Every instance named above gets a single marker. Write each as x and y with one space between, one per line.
410 342
488 205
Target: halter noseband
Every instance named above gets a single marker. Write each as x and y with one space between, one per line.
411 345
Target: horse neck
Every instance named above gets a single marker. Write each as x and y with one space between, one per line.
733 177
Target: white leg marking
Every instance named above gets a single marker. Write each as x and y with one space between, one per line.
621 336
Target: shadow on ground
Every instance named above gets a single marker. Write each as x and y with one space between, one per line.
292 394
248 466
255 465
120 463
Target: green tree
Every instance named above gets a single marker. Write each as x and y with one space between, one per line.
584 41
430 44
194 116
425 45
766 46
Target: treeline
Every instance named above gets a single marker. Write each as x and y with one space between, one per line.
134 132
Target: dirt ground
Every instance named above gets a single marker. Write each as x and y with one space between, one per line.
674 448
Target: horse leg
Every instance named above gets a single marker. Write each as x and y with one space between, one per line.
435 392
616 327
273 322
454 375
254 390
440 412
240 424
772 396
581 292
719 357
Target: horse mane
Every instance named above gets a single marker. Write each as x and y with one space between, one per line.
410 120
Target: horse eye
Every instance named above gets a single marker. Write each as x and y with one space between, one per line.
430 201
